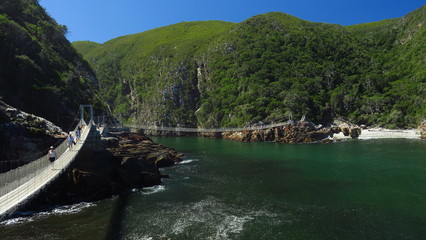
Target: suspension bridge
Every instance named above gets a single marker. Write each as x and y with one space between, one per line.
20 185
205 130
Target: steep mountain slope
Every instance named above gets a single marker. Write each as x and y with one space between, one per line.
397 47
40 71
153 75
271 66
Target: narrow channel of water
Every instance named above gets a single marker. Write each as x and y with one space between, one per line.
364 189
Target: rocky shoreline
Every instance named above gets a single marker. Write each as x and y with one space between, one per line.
132 160
307 132
125 160
291 132
24 137
129 161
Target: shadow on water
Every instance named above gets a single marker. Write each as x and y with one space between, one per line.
115 229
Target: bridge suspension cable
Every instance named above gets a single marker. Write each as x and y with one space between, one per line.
19 185
205 130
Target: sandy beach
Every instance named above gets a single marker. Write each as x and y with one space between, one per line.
378 133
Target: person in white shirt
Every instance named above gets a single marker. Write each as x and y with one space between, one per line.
52 154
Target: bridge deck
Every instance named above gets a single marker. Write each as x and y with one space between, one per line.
19 195
205 130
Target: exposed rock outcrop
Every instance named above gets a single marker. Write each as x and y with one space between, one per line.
422 130
131 161
134 163
294 132
349 130
24 136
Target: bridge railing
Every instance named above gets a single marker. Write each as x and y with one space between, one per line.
205 130
14 178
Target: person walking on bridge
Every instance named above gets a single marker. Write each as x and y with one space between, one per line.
77 133
70 141
52 155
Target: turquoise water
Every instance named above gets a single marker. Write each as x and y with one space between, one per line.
364 189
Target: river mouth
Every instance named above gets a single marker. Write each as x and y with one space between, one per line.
358 189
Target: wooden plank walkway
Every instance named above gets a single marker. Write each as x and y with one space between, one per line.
20 195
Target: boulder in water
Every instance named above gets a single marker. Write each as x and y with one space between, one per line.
355 132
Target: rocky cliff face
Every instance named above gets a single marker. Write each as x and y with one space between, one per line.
291 132
24 137
295 132
130 161
40 72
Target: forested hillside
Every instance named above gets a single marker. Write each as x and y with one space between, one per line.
40 71
271 66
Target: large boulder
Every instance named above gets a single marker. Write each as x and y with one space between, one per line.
98 174
162 158
355 132
110 142
350 130
90 184
130 172
320 135
345 129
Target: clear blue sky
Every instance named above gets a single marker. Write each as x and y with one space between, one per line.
102 20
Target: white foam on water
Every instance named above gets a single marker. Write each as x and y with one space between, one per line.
63 210
142 238
137 237
203 212
17 220
152 190
180 226
216 219
231 225
188 161
69 209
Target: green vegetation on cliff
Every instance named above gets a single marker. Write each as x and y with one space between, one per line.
152 75
40 71
268 67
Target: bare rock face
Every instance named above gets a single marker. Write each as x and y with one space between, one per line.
269 135
297 132
110 142
235 136
345 129
24 136
355 132
132 163
350 130
140 159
